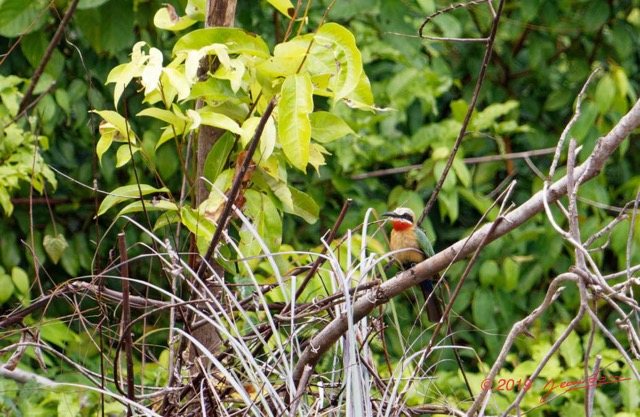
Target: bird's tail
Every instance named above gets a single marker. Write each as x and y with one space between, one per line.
434 310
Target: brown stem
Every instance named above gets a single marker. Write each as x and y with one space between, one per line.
47 55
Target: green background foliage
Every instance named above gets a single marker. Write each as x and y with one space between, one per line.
544 52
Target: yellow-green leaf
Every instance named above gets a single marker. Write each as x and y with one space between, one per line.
283 6
316 156
154 205
104 143
167 18
179 81
294 126
126 193
20 279
348 60
267 138
211 118
327 127
55 246
6 287
238 41
124 154
304 206
119 122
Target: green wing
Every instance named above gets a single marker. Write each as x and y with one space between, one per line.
424 242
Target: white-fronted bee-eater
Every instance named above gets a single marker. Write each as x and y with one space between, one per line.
411 246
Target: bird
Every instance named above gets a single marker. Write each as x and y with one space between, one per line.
411 246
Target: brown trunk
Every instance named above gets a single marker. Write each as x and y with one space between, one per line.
219 13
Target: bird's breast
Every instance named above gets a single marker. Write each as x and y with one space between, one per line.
408 241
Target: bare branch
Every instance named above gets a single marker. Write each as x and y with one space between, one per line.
604 147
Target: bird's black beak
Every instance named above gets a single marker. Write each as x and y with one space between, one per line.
388 214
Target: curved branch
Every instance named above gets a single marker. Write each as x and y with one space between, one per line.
605 146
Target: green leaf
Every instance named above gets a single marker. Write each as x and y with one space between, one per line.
462 172
605 93
586 121
265 219
448 203
279 188
571 348
304 206
629 391
267 139
483 308
238 41
211 118
362 96
327 127
55 246
5 201
283 6
126 193
511 271
196 224
488 273
179 81
218 156
19 17
6 287
20 279
90 4
103 145
347 60
167 18
153 205
166 116
117 121
487 117
124 154
57 332
294 127
108 28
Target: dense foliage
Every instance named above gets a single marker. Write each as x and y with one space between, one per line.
393 100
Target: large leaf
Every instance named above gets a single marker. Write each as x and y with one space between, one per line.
20 279
55 246
18 17
238 41
294 126
127 193
211 118
167 18
153 205
304 206
327 127
118 122
217 157
347 65
283 6
162 114
267 138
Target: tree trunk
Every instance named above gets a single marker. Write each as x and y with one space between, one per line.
219 13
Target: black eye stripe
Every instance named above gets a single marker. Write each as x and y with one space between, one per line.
407 217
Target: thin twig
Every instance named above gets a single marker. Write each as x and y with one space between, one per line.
605 147
235 189
55 40
467 118
126 320
471 160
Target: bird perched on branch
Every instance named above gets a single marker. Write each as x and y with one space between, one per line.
413 247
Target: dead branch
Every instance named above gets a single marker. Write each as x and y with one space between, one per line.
604 148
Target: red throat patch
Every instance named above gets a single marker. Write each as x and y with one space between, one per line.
401 225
